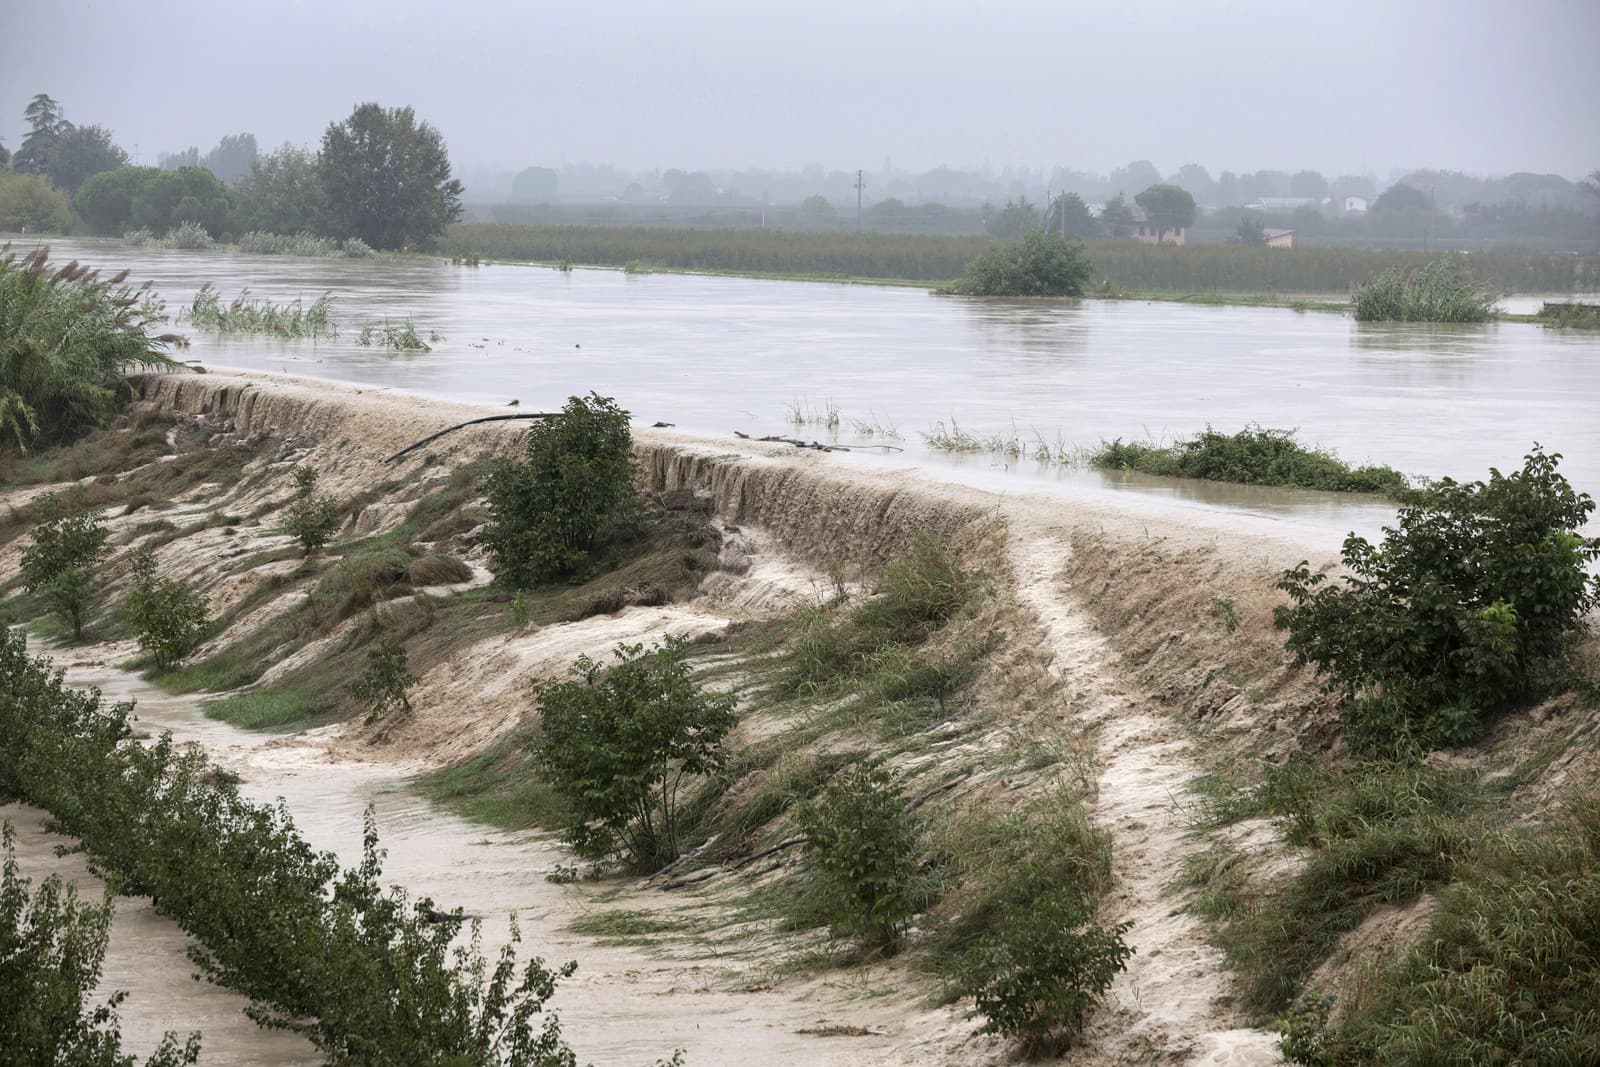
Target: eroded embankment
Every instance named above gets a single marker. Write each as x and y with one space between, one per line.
754 534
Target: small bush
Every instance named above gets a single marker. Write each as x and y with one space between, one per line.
312 518
56 564
1253 456
863 858
619 745
168 617
1570 315
386 334
1042 264
385 684
573 489
52 951
1434 293
1468 604
187 235
1041 972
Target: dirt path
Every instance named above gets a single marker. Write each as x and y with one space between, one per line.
1173 999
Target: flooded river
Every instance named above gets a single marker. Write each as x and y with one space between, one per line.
715 355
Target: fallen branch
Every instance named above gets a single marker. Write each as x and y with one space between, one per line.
471 422
764 853
917 802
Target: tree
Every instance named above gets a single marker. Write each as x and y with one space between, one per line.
1136 175
534 184
1469 604
1401 198
684 187
30 204
386 683
56 564
233 158
283 194
387 178
312 517
1015 219
1169 208
5 156
1044 264
186 157
573 488
1116 218
1308 184
1196 179
167 615
170 198
1250 232
818 211
106 200
620 743
46 125
1070 217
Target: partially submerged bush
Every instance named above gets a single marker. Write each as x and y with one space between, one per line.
1435 293
247 315
1468 605
312 517
1041 264
620 743
68 338
385 684
167 616
56 564
572 490
863 858
398 338
1253 456
1570 315
52 953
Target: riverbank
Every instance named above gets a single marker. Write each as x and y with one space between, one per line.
1117 657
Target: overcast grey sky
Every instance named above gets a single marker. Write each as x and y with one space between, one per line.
1336 85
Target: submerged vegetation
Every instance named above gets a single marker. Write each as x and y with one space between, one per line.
304 243
1253 456
1043 264
1437 292
385 334
246 315
68 338
1570 316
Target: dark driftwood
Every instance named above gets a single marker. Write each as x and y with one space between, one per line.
470 422
764 853
815 446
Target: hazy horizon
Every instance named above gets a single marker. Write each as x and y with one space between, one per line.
1343 89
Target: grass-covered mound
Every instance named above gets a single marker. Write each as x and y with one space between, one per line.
1253 456
1435 293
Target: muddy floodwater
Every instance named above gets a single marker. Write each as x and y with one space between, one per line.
716 355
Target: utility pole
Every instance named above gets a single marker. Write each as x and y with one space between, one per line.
861 183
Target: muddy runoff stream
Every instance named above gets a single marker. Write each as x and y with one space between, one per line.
623 1006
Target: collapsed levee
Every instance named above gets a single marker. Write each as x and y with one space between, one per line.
758 544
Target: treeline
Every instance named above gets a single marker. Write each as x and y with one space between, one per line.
381 176
925 258
365 973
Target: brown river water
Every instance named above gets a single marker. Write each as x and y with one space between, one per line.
715 354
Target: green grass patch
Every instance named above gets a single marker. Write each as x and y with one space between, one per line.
1436 292
1372 834
499 787
622 924
1570 316
1253 456
269 709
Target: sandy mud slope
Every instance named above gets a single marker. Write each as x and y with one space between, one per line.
791 526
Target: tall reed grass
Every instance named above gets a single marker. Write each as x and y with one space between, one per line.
1437 292
246 315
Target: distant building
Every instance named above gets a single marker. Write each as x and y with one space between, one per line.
1144 231
1352 205
1282 205
1279 238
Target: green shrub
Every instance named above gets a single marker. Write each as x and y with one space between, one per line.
1043 264
1468 604
1434 293
312 518
367 974
620 743
436 569
573 489
1253 456
52 949
864 858
56 564
386 681
168 617
386 334
1039 974
67 340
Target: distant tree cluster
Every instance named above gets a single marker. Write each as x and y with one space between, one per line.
381 176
